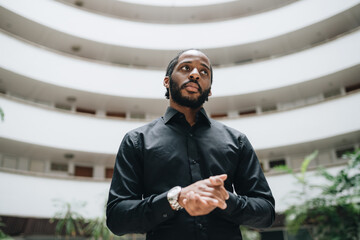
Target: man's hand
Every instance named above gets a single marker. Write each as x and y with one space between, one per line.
204 196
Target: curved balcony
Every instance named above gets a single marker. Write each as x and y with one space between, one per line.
61 130
184 11
53 77
236 41
41 199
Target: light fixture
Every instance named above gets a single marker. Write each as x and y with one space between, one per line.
76 48
79 3
69 155
71 99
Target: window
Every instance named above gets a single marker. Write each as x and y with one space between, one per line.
137 115
9 162
84 110
37 166
277 162
340 154
109 172
218 115
332 93
116 114
60 167
81 171
62 106
248 112
352 87
269 108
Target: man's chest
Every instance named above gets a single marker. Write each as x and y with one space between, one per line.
173 158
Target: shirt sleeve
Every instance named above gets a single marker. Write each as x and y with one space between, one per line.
253 204
127 211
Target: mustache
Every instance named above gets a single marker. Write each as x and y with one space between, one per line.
191 81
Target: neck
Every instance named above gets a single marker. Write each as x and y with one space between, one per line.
190 113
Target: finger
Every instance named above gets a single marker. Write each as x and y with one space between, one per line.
222 176
218 191
215 181
210 201
203 205
214 200
195 204
218 179
224 193
201 200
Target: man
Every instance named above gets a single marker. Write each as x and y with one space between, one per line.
175 177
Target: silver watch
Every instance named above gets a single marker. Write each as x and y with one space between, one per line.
173 196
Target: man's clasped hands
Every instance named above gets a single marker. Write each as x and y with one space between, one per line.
202 197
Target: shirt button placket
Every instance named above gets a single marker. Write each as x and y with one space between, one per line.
192 156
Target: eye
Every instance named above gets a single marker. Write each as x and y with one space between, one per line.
204 72
185 67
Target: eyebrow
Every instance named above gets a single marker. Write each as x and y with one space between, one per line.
203 64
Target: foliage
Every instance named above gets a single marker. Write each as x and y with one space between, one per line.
335 213
69 222
249 234
2 114
3 236
97 229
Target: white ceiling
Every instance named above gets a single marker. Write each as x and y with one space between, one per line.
168 12
291 42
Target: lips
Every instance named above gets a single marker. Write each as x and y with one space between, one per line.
191 86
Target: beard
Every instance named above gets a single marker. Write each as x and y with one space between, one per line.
175 92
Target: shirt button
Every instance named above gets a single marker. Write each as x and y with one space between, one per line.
190 134
193 162
200 226
165 215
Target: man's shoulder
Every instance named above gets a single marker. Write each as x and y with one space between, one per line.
219 126
146 127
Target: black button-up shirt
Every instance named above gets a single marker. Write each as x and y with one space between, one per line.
169 152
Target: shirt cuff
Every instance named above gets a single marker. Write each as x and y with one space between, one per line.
162 208
232 203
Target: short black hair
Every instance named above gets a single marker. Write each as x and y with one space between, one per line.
174 61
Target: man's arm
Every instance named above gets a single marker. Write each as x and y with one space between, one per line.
253 204
126 211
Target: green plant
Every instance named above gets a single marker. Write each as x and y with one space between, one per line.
2 114
97 229
335 213
69 222
3 236
249 234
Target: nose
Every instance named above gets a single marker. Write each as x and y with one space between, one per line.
194 74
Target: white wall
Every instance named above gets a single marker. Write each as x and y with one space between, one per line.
73 73
31 196
78 132
20 197
91 26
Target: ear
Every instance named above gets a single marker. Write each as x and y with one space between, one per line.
166 82
210 93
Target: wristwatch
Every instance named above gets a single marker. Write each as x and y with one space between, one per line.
173 196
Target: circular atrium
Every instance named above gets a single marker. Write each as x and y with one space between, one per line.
77 75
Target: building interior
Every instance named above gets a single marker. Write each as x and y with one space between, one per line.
77 75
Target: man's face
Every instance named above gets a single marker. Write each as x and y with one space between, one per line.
190 82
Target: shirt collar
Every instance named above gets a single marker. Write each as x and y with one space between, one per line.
171 112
